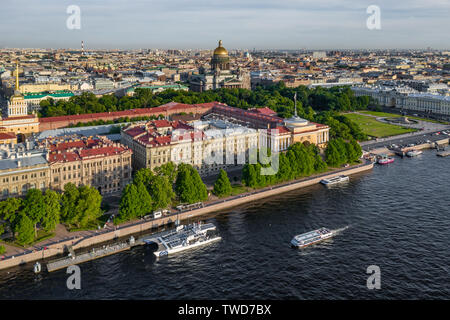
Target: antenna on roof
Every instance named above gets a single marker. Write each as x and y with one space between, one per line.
295 104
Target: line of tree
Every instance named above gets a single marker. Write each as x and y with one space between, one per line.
300 160
316 104
115 121
157 189
339 152
76 206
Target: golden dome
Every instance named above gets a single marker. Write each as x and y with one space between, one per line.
220 51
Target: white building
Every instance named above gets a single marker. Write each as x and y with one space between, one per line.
408 99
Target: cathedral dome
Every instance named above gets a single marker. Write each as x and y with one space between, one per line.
220 51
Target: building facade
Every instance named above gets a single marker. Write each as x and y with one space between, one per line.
402 99
52 163
207 145
220 75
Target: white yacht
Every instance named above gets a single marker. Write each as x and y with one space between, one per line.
414 153
334 180
183 237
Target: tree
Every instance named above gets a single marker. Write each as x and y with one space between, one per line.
357 148
161 192
9 211
200 188
52 210
336 153
34 207
88 206
189 186
144 200
69 203
169 170
25 230
129 203
184 184
222 186
143 175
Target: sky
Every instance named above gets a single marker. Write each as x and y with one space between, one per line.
240 24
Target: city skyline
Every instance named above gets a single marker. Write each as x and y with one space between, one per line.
198 24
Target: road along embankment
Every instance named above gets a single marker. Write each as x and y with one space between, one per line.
122 231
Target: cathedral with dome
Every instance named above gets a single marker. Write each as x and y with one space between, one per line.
219 75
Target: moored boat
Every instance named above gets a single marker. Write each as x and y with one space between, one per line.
334 180
384 159
414 153
183 237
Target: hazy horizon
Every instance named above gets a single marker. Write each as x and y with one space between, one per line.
243 25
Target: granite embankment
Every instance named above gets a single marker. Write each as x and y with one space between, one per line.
87 241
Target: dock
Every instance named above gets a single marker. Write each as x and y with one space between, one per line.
443 153
95 253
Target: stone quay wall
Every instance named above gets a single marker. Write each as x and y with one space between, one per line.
79 242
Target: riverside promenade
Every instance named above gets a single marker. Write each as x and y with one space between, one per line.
79 242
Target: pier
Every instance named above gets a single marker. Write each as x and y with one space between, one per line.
138 226
95 253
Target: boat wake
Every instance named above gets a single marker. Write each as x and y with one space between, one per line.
338 231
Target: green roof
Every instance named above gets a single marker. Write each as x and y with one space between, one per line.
40 95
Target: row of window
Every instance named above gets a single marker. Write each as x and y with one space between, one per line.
24 177
15 190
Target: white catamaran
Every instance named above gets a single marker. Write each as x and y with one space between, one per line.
184 237
311 237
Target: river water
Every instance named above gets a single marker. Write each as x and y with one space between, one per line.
398 218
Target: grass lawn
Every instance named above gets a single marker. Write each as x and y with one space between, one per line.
394 115
374 128
238 189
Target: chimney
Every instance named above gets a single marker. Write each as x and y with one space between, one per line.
18 163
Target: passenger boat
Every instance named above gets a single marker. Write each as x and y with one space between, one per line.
311 237
384 159
414 153
183 237
334 180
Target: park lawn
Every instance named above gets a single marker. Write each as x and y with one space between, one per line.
394 115
374 128
381 114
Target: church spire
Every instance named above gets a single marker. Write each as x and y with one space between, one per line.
17 75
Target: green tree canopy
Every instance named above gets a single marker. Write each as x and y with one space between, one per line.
25 230
52 210
222 186
34 206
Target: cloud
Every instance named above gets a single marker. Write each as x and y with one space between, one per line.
286 24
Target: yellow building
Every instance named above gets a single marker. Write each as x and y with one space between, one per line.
20 125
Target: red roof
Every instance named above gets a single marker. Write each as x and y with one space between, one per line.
7 135
161 123
267 111
172 106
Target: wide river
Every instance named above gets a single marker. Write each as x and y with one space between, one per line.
398 218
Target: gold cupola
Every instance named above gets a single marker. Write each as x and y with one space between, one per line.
220 51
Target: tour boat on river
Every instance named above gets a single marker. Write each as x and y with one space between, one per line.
311 237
